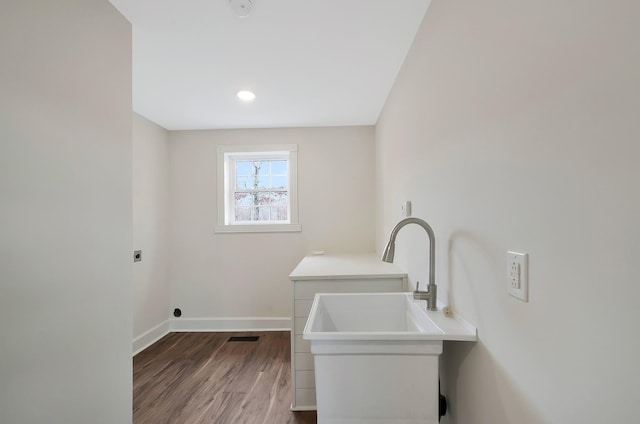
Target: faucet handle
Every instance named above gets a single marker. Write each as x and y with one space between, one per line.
417 285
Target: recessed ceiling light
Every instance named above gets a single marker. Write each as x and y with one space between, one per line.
246 96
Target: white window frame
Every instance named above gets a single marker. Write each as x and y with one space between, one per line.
226 156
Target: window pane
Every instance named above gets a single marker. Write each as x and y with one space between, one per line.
244 167
279 167
279 213
279 198
278 182
244 182
243 213
263 213
263 198
243 199
262 167
263 182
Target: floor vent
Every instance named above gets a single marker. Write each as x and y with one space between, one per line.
243 339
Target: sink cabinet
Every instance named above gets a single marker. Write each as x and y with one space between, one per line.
330 274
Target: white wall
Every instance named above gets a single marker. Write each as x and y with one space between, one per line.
515 125
151 291
65 213
246 275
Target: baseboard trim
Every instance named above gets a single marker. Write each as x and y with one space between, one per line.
181 325
151 336
231 324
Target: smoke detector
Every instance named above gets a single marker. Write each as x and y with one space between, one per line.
242 8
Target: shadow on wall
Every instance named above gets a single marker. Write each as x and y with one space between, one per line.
472 373
465 240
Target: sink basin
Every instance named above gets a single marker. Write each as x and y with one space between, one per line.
380 316
376 357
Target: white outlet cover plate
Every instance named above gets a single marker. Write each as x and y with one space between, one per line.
406 209
522 259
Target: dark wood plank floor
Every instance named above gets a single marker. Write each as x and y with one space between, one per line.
200 378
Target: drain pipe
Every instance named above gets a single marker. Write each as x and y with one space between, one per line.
442 404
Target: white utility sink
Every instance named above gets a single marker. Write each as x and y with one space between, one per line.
381 316
376 357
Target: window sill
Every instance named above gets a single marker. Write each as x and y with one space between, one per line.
259 228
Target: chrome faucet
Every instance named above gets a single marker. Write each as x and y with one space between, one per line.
431 295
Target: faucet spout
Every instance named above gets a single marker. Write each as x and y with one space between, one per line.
389 253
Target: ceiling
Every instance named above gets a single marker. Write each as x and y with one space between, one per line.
309 62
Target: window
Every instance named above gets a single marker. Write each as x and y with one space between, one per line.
257 188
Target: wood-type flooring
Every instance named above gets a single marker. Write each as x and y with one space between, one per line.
200 378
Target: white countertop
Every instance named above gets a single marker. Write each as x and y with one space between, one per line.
368 265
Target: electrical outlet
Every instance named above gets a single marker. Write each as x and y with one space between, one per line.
515 283
406 209
514 273
518 275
